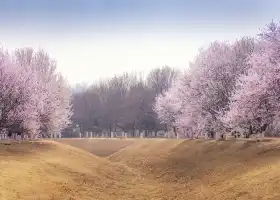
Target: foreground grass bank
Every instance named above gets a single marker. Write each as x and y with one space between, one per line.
140 169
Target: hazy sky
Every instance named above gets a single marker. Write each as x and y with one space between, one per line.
92 39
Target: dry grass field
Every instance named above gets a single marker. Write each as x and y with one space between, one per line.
137 169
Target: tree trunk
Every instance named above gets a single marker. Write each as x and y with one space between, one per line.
212 134
175 131
166 127
115 129
250 132
133 130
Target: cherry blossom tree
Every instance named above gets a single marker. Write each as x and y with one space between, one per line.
174 106
199 97
168 106
255 104
34 97
19 96
57 111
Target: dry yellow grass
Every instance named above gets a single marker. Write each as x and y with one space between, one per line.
141 169
199 169
50 170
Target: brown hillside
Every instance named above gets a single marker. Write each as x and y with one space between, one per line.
49 170
199 169
158 169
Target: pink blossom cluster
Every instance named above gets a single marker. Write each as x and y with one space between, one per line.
228 86
33 96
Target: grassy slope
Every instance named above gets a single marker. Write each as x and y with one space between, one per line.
50 170
141 169
208 169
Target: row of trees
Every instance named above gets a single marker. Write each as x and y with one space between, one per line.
123 103
228 87
34 98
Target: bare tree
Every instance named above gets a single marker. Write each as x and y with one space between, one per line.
123 103
160 79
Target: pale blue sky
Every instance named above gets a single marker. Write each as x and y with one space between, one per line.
99 38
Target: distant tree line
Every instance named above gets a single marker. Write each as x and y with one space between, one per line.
229 87
123 103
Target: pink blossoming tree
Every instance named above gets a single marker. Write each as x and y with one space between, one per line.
255 104
34 98
200 96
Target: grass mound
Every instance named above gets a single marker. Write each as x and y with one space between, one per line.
158 169
50 170
199 169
